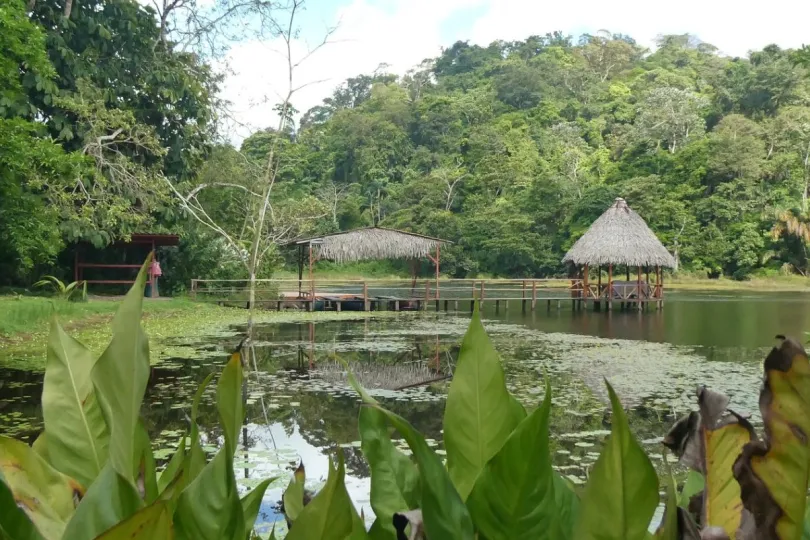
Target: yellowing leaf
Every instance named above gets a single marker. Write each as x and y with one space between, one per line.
774 472
151 523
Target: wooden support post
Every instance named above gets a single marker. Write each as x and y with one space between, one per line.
455 305
548 305
523 297
278 305
445 304
610 287
365 296
534 294
438 308
497 306
396 305
506 305
585 290
662 287
427 291
193 289
337 305
482 294
638 289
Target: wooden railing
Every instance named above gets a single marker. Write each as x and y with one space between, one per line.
417 293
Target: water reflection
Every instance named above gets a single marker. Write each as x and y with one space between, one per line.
299 406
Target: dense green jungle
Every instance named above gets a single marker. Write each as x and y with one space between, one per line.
111 124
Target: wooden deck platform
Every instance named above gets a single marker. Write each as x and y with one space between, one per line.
423 294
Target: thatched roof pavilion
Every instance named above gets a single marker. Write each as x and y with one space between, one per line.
371 243
619 237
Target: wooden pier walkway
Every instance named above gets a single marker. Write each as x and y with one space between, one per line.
423 294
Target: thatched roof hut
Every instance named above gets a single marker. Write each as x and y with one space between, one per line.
619 237
371 243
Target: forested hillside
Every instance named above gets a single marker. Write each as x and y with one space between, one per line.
511 151
108 127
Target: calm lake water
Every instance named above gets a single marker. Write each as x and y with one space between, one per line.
300 407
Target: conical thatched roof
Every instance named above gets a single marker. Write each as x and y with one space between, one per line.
619 236
371 243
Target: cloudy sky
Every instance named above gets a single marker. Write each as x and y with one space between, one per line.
401 33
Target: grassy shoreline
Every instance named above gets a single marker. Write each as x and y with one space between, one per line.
174 326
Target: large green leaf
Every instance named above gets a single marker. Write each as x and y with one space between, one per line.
209 508
513 497
773 473
622 491
567 507
229 401
47 496
668 528
109 500
174 468
14 523
252 502
330 515
151 523
144 473
480 414
77 433
120 376
394 477
293 496
444 513
195 458
693 485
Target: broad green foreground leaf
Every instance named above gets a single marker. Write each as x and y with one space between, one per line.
479 414
173 468
567 506
622 491
44 494
209 508
109 500
330 515
120 376
77 433
394 477
252 502
668 529
444 513
693 485
151 523
513 497
229 401
195 458
773 472
14 523
144 473
293 496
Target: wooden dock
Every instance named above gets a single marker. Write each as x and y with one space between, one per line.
442 294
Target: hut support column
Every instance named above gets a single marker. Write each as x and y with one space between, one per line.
639 304
300 269
598 300
610 287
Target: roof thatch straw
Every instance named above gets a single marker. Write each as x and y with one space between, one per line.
372 243
619 236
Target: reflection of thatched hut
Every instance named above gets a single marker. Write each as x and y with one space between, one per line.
620 237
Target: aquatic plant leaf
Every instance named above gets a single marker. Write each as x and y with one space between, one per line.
709 442
694 484
773 472
14 523
40 446
120 376
480 413
293 496
209 508
331 513
109 500
174 468
229 401
153 523
77 433
668 528
622 491
806 530
47 496
252 502
195 458
444 513
144 473
394 477
513 496
567 504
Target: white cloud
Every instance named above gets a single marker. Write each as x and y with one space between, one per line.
408 31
